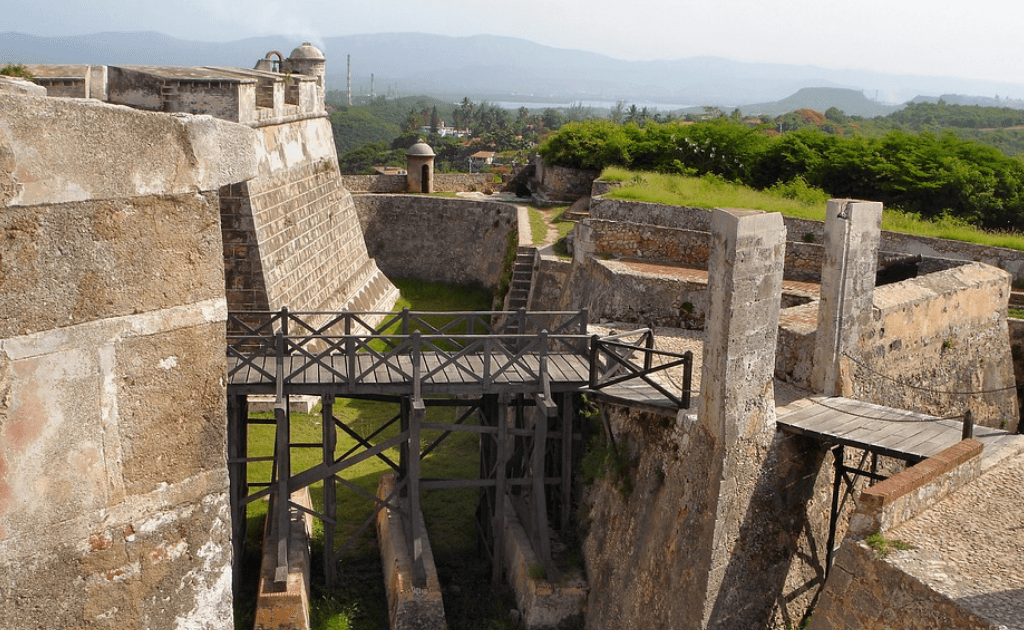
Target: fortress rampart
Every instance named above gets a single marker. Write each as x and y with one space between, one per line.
113 483
115 280
457 240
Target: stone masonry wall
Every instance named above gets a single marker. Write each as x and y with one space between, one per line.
113 475
291 235
873 594
613 291
437 238
559 183
947 332
644 241
809 231
644 546
443 182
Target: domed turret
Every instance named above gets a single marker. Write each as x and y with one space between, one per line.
420 170
309 60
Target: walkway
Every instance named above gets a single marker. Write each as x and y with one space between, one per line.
880 430
970 547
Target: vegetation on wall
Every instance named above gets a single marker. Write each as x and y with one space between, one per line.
17 70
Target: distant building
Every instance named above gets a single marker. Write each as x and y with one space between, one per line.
481 159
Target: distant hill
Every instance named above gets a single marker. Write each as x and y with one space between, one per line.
503 68
963 99
851 102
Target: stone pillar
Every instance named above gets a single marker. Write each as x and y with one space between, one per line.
744 296
847 289
737 395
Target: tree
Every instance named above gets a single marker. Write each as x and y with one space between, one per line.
617 112
434 119
836 115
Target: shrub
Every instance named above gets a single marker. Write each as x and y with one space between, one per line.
17 70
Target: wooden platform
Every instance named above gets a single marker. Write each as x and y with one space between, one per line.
638 395
890 432
368 375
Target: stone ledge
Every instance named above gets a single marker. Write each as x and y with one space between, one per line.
285 606
410 607
907 494
543 604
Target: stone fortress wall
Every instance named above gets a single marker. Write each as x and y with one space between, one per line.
115 282
807 231
114 509
295 220
931 330
443 182
457 240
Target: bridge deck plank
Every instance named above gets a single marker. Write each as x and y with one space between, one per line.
882 430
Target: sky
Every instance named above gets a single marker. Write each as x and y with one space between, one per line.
978 39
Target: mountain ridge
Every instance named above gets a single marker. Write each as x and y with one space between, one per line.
438 64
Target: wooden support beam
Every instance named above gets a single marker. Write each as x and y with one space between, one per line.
542 542
416 536
281 517
330 440
566 486
237 475
500 465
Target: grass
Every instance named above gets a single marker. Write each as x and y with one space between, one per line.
794 200
538 227
543 218
883 546
1015 312
359 601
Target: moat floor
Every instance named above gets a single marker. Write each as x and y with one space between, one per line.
970 547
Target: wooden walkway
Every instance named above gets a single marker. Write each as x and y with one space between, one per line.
880 430
469 375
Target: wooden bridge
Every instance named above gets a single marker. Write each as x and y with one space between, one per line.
518 373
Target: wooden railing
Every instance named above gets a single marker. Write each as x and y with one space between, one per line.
350 348
613 362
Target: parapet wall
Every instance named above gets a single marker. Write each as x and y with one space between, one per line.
942 333
679 246
438 238
611 290
866 591
805 231
113 477
443 182
558 183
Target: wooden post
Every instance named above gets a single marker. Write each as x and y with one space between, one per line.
649 345
566 490
282 452
330 440
968 431
540 509
415 532
501 461
416 418
838 462
350 354
687 378
238 432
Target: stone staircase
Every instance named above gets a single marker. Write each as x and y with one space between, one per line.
522 277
